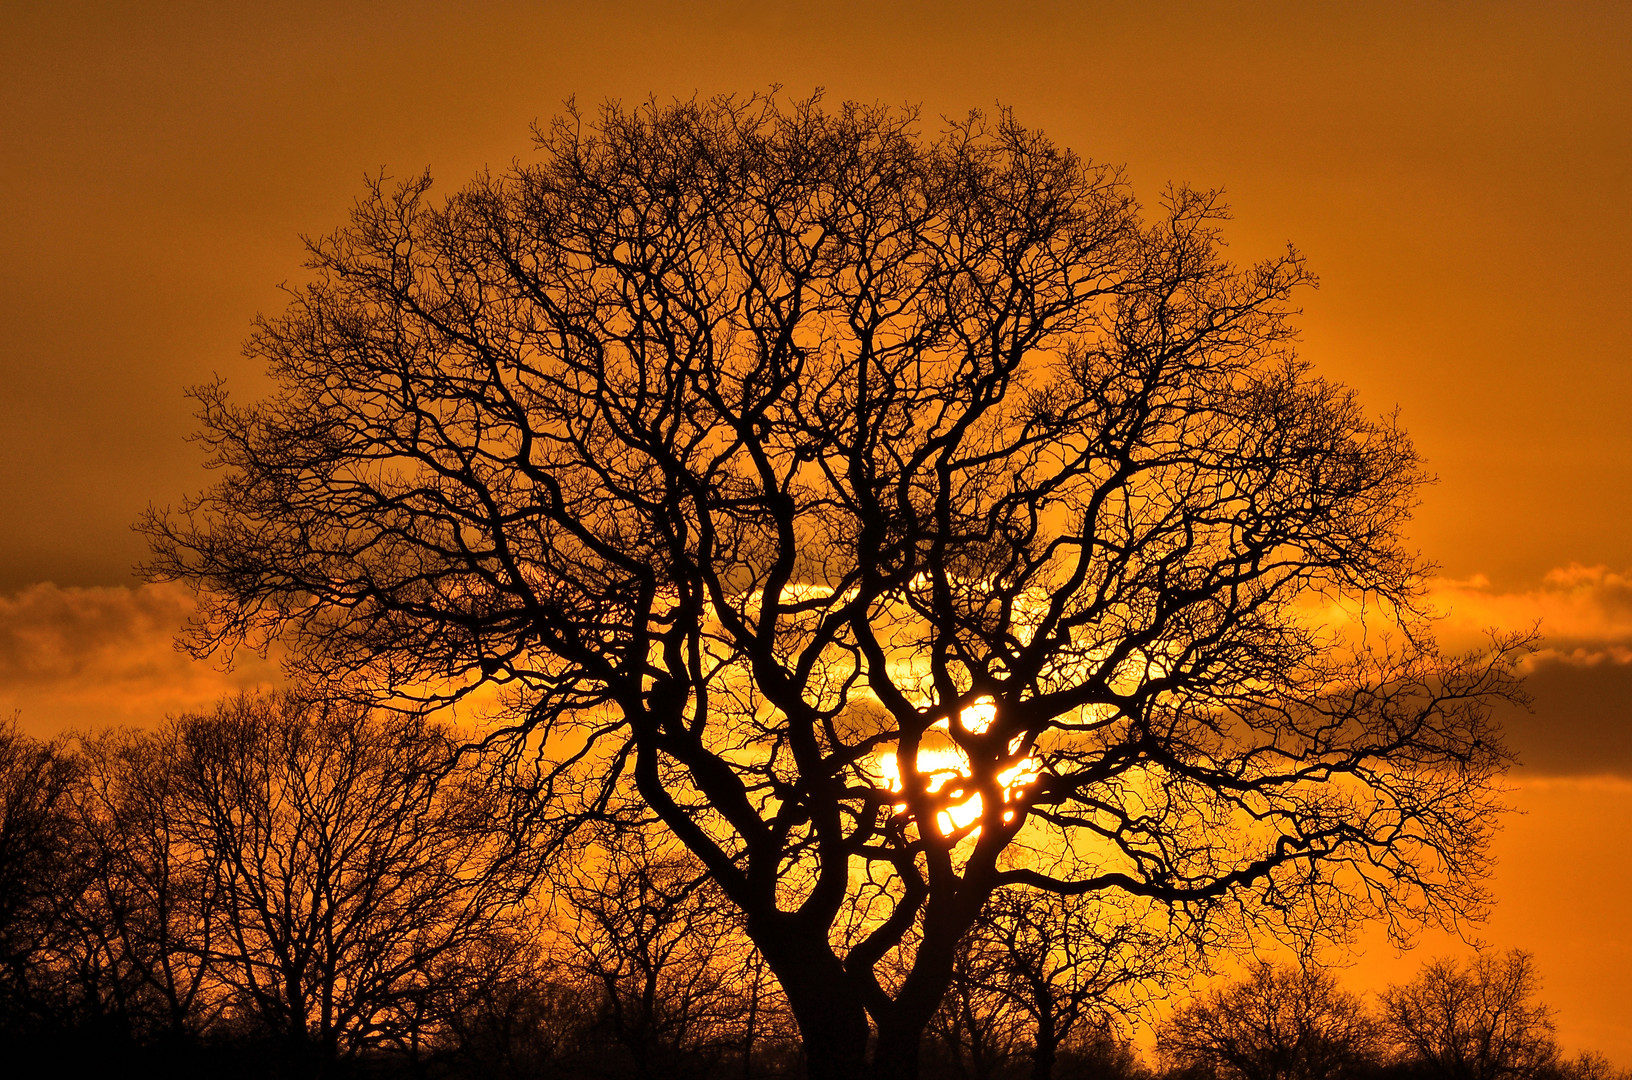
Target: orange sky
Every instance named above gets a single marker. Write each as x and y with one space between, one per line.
1458 174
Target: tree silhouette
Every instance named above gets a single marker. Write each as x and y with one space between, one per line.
884 512
1278 1023
40 877
150 903
352 868
1039 972
648 933
1475 1021
1068 964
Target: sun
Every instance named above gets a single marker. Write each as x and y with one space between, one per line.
948 764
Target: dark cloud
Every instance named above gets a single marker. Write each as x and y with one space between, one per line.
1582 719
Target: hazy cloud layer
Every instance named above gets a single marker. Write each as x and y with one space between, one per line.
75 657
1585 612
81 657
1580 679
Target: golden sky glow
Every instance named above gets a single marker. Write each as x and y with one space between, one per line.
1457 175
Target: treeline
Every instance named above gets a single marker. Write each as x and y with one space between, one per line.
288 888
1477 1020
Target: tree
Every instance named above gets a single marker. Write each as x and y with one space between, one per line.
527 1021
650 934
1039 972
351 866
40 880
1590 1065
149 905
1069 964
977 1033
876 509
1278 1023
1475 1021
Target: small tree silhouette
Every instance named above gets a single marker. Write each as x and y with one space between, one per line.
352 864
150 905
1478 1020
646 930
41 878
1069 965
1279 1023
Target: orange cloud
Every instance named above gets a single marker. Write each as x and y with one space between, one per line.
88 657
1585 612
1580 680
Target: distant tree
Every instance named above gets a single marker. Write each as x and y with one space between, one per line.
1098 1051
1479 1020
977 1033
149 904
645 929
1069 965
41 878
872 506
352 865
1039 972
1278 1023
1590 1065
525 1018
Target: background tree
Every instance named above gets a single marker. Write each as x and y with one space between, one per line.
526 1020
41 877
149 903
351 864
1474 1021
1590 1065
1071 965
1040 971
649 934
874 507
1278 1023
977 1033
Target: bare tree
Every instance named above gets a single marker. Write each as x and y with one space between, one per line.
873 506
352 862
1041 970
1475 1021
1590 1065
977 1033
1070 963
1279 1023
526 1020
40 881
679 986
149 905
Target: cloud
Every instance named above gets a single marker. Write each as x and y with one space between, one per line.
87 657
1580 679
1582 719
1585 612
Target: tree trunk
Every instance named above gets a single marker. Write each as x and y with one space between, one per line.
897 1054
1046 1042
753 1017
1043 1053
833 1031
832 1019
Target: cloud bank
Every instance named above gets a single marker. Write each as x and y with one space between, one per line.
88 657
85 657
1580 679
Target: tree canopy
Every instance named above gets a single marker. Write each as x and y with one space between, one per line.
896 517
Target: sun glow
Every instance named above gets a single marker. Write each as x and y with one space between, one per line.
943 766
